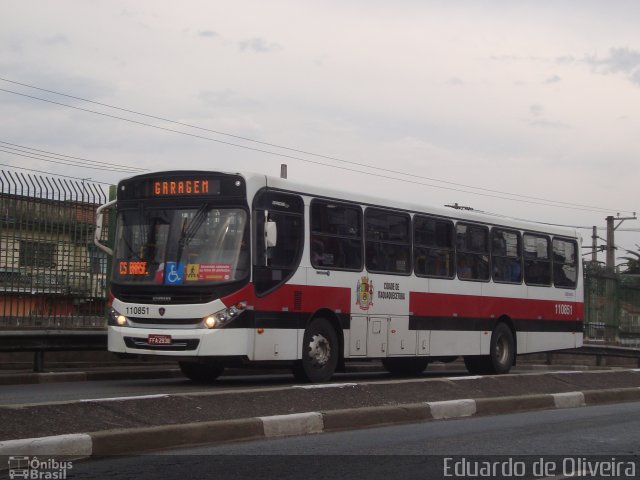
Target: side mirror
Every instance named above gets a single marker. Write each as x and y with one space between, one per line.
98 229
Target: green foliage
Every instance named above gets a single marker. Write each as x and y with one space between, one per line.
632 262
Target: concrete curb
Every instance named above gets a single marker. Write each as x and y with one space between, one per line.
136 440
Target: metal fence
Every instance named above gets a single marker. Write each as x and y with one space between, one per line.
51 274
612 307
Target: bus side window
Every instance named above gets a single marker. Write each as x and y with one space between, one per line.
388 242
472 252
336 235
537 260
565 263
433 247
506 256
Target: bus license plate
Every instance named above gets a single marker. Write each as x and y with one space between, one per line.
159 340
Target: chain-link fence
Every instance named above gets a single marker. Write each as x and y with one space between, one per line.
612 307
51 274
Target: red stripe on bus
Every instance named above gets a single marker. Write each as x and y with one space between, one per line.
446 305
295 298
302 298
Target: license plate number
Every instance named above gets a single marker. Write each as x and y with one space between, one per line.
159 340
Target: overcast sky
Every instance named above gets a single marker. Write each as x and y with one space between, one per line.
535 98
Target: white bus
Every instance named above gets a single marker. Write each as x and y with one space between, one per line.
221 269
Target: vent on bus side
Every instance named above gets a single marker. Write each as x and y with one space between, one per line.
297 300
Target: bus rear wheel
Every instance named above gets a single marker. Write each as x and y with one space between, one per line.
405 366
502 352
201 372
320 352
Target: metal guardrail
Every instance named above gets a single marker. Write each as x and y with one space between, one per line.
600 352
41 341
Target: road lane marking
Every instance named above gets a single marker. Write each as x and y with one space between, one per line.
117 399
328 385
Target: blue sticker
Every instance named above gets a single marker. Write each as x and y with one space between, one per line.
174 273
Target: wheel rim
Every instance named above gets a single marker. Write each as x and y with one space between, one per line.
502 351
319 351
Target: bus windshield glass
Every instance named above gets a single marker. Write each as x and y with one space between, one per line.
190 246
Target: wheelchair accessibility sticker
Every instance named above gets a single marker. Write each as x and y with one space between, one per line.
174 273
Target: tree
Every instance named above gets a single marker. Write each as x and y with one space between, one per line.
633 262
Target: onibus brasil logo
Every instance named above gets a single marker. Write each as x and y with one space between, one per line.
364 293
38 469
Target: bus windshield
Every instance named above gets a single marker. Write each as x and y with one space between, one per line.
181 246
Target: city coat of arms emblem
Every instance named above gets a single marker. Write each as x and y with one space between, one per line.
364 293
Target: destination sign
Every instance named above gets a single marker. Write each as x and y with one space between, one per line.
132 268
176 185
182 187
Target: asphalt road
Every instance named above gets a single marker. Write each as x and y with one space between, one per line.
163 402
542 444
75 391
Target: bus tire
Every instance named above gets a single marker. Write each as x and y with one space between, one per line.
320 353
201 372
501 356
477 364
405 366
502 352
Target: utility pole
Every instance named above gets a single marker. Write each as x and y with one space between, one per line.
594 246
611 247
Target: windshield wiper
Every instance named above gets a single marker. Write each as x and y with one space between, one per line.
194 225
190 229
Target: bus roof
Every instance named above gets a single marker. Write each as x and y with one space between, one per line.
441 211
256 180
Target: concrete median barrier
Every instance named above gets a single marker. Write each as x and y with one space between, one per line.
154 438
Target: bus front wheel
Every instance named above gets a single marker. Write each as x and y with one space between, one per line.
320 352
201 372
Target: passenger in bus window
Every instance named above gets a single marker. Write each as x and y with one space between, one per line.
317 252
464 270
516 271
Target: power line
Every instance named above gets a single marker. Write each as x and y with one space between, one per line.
305 152
55 174
568 205
280 146
79 160
81 165
61 163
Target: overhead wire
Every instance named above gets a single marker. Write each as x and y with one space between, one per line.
55 174
547 202
80 165
77 160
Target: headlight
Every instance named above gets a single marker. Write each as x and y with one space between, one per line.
117 319
221 318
